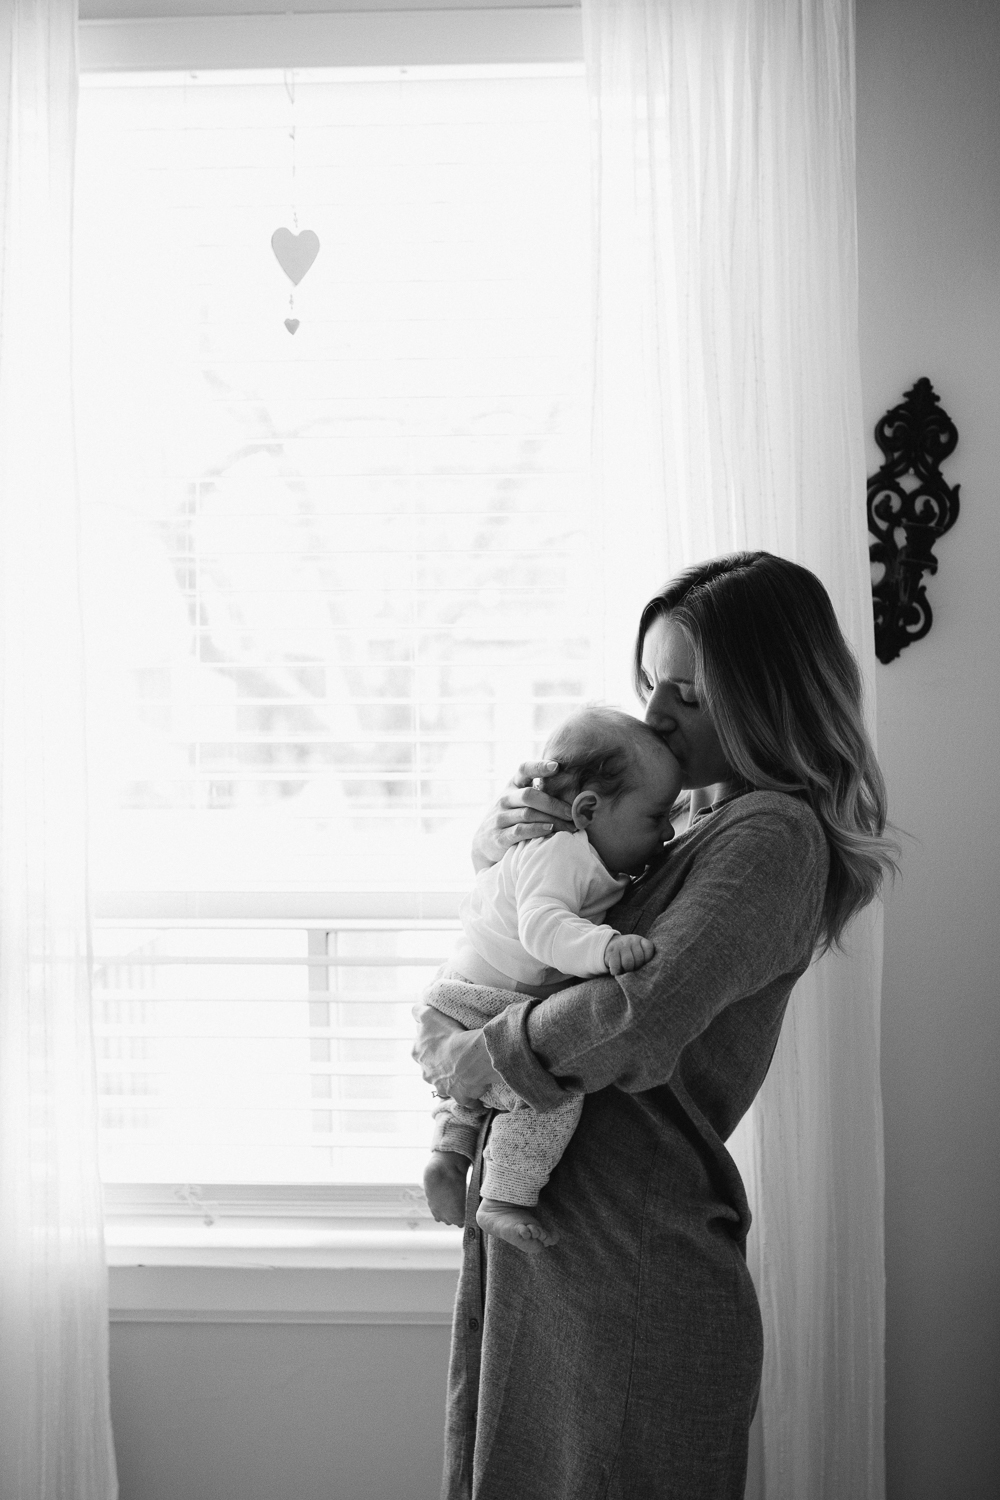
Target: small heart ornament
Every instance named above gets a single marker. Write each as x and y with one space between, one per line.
292 324
295 253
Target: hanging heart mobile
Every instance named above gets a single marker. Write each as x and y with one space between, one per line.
294 251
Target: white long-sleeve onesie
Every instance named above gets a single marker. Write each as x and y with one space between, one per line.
535 916
530 923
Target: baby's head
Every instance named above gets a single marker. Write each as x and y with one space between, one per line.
621 782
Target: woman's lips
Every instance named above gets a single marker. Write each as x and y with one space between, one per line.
674 748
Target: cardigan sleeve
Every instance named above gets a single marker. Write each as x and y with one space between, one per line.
746 913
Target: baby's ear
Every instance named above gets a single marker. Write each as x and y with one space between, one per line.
585 804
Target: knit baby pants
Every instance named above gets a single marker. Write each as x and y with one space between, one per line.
523 1145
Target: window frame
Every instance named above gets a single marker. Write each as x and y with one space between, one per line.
120 36
311 1226
360 1252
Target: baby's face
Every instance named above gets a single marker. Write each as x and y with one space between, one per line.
628 833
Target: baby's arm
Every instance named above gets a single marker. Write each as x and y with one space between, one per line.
553 884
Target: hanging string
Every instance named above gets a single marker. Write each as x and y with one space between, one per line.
295 251
289 79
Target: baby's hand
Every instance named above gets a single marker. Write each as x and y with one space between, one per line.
627 951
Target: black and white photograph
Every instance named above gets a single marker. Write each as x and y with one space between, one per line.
499 724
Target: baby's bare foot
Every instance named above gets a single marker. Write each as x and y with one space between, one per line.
444 1186
515 1224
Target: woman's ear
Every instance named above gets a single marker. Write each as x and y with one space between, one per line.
585 804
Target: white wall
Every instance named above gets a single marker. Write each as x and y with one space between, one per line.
929 207
251 1411
256 1412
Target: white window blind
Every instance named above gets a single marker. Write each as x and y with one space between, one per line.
337 579
263 1049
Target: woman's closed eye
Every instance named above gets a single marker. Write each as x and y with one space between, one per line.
683 691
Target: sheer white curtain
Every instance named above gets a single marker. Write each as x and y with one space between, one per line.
727 415
55 1436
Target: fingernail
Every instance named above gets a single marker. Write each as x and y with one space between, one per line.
550 765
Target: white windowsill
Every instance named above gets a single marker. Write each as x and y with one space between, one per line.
281 1293
307 1253
272 1246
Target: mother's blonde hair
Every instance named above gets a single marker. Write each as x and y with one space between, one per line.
784 692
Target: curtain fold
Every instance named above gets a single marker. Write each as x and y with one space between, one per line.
54 1409
727 414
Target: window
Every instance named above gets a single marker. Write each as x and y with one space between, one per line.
337 577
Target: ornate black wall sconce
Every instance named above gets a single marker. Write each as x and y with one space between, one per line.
909 507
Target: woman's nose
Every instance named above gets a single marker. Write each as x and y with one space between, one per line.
659 714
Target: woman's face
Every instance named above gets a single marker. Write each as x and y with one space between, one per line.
673 710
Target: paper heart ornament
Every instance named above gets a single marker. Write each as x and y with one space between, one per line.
295 253
291 324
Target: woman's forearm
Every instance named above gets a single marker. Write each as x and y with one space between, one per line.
724 936
524 811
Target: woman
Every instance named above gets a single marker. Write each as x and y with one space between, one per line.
624 1362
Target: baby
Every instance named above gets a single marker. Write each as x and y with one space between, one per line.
533 924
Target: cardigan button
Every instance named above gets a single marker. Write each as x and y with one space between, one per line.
474 1324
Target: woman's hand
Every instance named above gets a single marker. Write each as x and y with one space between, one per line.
523 812
453 1061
